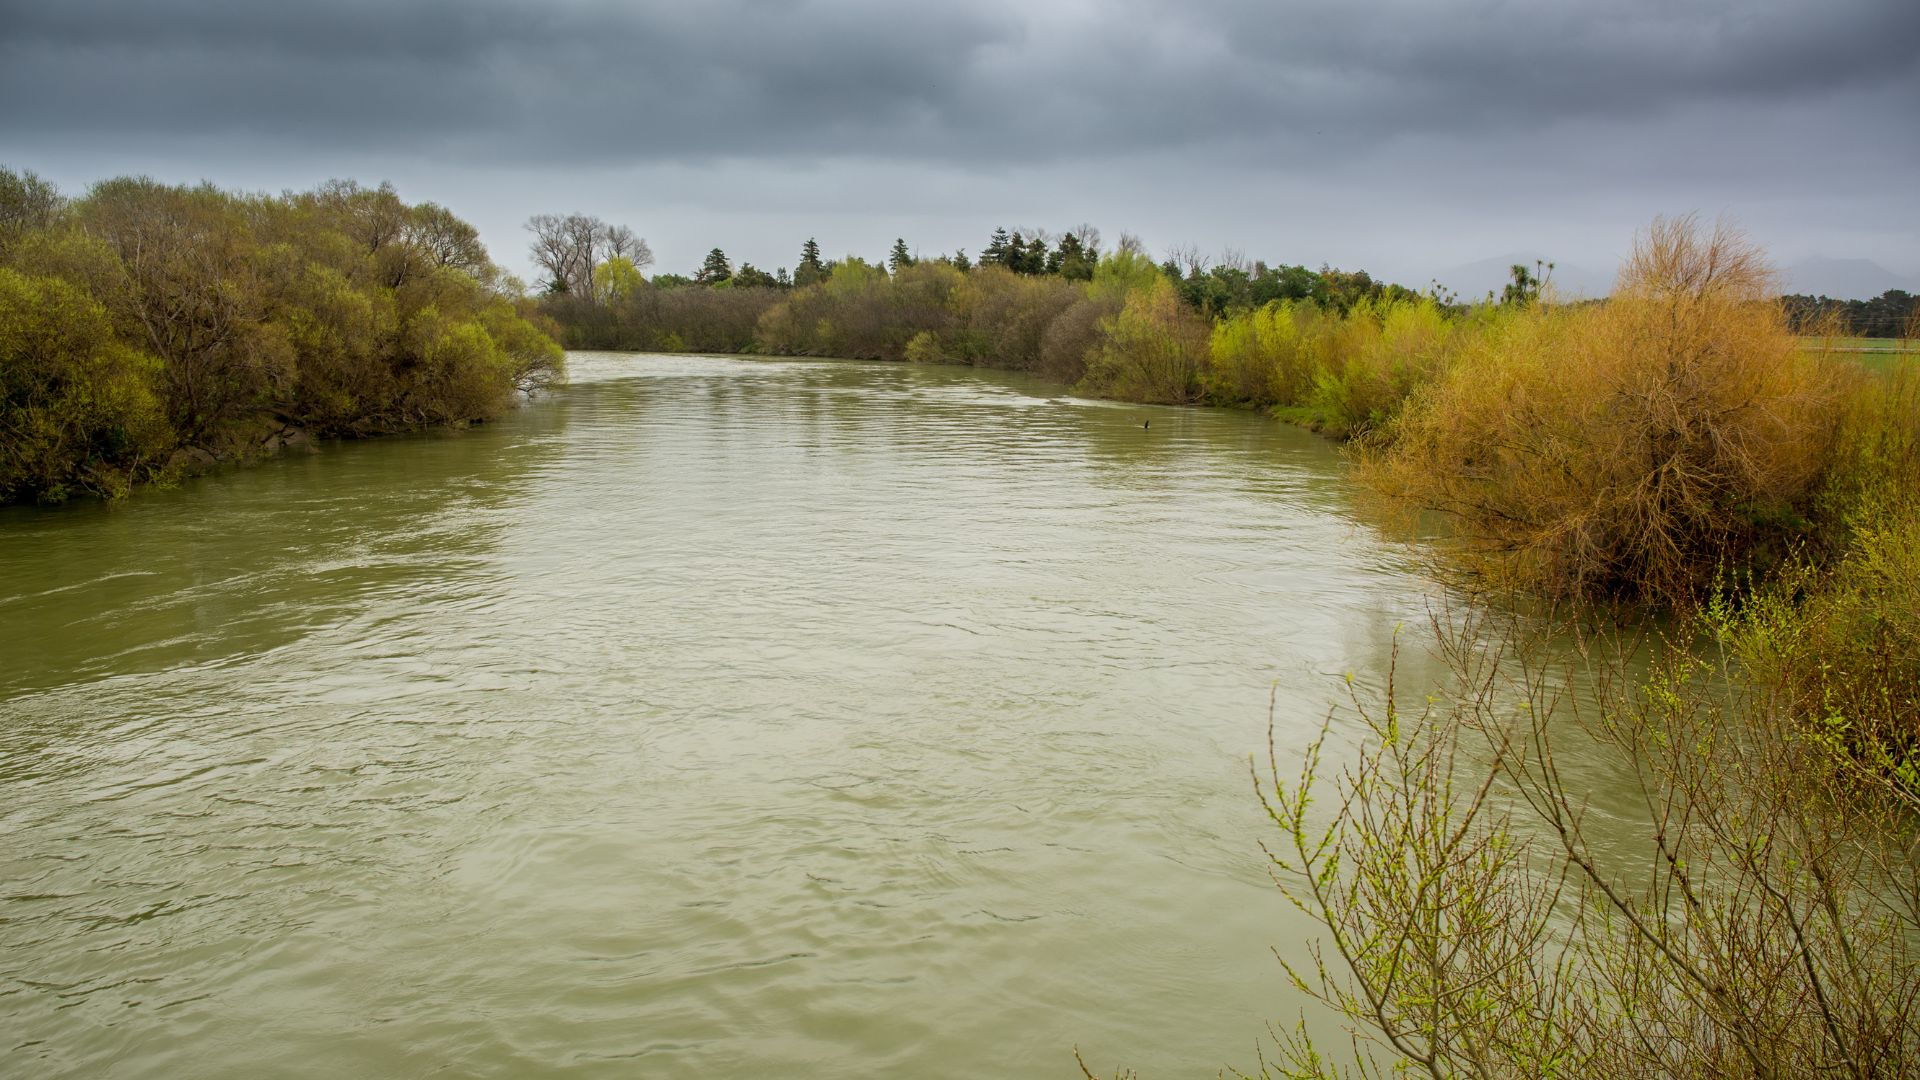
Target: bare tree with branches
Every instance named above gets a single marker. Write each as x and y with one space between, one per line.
570 249
1089 235
1189 258
623 244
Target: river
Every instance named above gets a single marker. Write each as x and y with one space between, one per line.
710 717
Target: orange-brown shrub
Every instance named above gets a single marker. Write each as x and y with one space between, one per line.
1632 448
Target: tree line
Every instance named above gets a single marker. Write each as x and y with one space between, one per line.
567 250
1114 322
147 329
1893 314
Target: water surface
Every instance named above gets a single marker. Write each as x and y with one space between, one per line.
711 718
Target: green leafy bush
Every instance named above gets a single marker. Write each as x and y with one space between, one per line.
79 412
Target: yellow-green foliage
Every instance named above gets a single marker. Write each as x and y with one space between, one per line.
1380 352
1122 274
1480 917
1876 469
1628 448
1840 649
925 348
78 409
146 318
460 372
1837 641
1154 349
1268 356
616 279
1347 373
340 334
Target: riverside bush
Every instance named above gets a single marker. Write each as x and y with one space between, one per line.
1632 448
1480 920
1268 356
148 324
1381 353
78 407
1840 647
1154 350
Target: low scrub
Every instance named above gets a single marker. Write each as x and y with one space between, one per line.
1839 647
1269 356
1342 373
1481 920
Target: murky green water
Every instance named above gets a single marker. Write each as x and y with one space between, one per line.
713 718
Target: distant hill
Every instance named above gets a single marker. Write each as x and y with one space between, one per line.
1474 280
1844 279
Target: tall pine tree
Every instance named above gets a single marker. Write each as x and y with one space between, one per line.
898 259
715 270
1071 260
811 269
1036 260
999 249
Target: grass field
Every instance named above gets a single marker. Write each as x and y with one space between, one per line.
1878 354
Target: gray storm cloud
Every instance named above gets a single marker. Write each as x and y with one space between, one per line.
1223 118
941 82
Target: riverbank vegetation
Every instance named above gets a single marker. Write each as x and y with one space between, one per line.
1677 446
1489 913
1483 916
1640 448
148 329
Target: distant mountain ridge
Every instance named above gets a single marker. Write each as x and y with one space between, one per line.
1843 279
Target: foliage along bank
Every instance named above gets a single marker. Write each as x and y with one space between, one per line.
1480 915
1638 448
148 329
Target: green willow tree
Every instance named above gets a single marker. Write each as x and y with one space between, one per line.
147 328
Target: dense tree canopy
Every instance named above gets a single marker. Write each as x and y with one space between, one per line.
1894 313
145 327
1055 304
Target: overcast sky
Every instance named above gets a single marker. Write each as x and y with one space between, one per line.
1403 138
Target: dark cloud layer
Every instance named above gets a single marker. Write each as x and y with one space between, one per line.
756 78
1719 102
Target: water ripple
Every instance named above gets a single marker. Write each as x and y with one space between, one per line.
712 717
